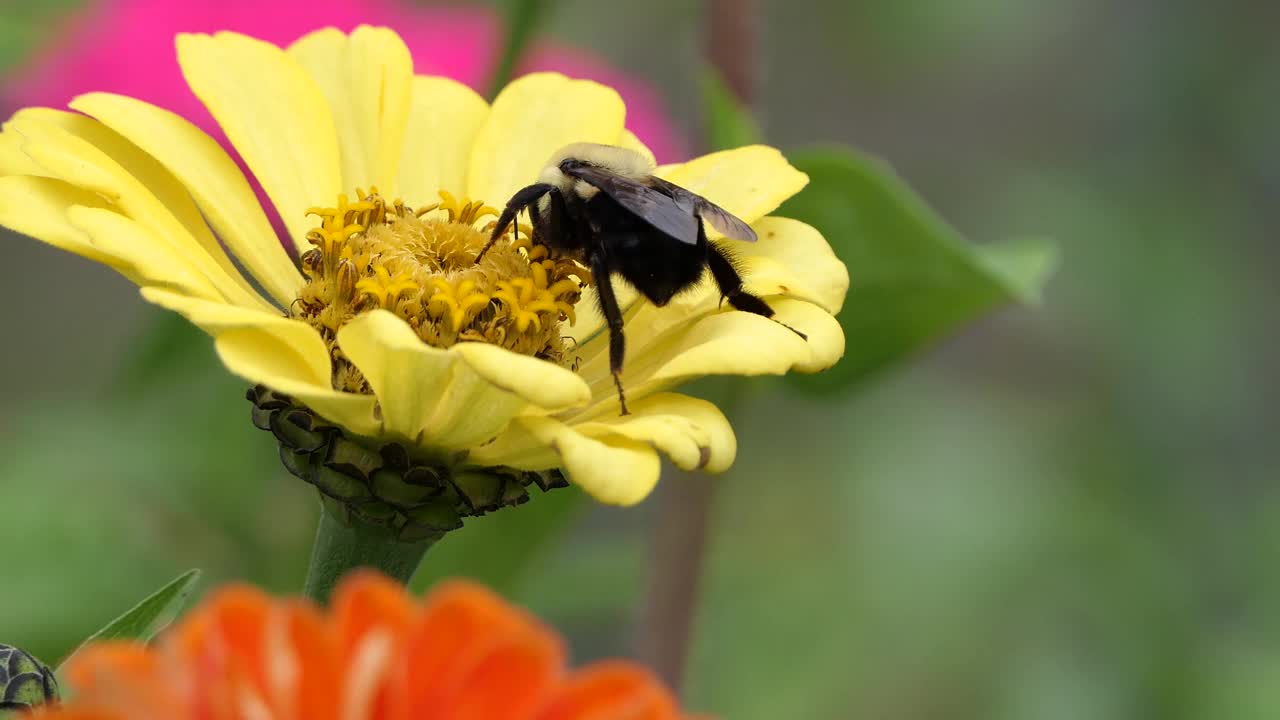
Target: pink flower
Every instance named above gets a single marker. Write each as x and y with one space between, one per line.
126 47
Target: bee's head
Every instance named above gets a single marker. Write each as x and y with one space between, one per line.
568 164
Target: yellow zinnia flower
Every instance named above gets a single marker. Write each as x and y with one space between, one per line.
386 332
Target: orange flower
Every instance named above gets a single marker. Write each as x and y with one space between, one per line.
461 653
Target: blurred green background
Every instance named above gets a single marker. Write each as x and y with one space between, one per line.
1063 512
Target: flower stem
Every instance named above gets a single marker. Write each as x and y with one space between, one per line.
678 539
731 33
678 542
340 548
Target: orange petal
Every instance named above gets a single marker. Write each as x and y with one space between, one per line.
79 713
612 690
103 663
365 600
303 664
224 647
464 654
510 681
474 656
119 680
368 607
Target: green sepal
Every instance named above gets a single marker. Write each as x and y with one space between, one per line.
411 498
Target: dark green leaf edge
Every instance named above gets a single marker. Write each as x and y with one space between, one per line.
1021 267
144 620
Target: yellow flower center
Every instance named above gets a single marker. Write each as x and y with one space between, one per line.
421 265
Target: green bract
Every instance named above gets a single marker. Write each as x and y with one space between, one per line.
24 681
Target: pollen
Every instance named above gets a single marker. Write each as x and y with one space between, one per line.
421 265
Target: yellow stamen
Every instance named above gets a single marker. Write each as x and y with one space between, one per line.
460 302
386 289
420 264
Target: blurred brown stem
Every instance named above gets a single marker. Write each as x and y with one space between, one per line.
679 535
677 548
730 40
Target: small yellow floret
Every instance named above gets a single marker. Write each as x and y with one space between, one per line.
460 302
422 266
384 288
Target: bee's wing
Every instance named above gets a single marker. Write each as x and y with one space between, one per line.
671 215
720 219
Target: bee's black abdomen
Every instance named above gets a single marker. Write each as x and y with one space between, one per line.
656 264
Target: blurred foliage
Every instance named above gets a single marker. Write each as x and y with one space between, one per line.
521 19
121 495
727 124
24 25
1063 514
911 277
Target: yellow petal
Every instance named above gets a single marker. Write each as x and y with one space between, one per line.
590 332
151 261
613 468
692 432
542 383
12 160
285 355
213 179
274 114
87 153
739 343
408 376
749 182
455 398
366 80
531 119
37 206
794 260
825 336
724 343
443 123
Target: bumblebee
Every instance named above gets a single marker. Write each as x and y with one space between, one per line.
603 206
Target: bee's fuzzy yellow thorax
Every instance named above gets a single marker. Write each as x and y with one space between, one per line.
617 160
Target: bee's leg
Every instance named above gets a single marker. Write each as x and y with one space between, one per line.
730 284
613 316
537 222
523 198
565 223
549 227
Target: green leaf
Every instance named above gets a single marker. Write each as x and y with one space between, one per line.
150 616
912 278
522 18
729 124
